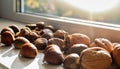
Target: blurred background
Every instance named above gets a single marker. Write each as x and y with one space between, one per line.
103 11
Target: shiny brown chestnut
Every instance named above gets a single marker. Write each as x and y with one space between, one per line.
19 41
53 55
7 29
60 34
40 25
24 31
46 33
76 48
28 50
71 61
15 28
31 26
50 27
7 38
32 36
57 41
41 43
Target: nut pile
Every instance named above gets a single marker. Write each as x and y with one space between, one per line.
74 51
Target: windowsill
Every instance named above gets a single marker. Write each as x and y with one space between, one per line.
92 32
6 22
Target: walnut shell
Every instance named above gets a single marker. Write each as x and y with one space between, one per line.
95 58
116 54
104 43
76 38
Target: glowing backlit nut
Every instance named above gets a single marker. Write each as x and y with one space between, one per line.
116 54
76 38
104 43
95 58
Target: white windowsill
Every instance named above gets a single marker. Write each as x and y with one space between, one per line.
93 31
5 22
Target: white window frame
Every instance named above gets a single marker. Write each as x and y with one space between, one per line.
0 9
92 29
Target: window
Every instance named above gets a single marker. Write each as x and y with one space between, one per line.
102 11
91 28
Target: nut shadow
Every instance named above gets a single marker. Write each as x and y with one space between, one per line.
21 62
10 52
48 66
44 65
4 48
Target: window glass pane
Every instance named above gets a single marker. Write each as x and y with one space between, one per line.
102 10
18 5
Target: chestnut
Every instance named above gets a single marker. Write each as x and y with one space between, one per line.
50 27
19 41
7 29
57 41
24 31
14 28
60 34
36 31
76 48
31 26
95 58
40 25
53 55
76 38
28 50
32 36
46 33
41 43
7 38
71 61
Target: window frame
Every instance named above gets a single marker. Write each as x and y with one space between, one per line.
90 28
0 9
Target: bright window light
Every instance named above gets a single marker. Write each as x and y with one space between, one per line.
106 11
93 5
